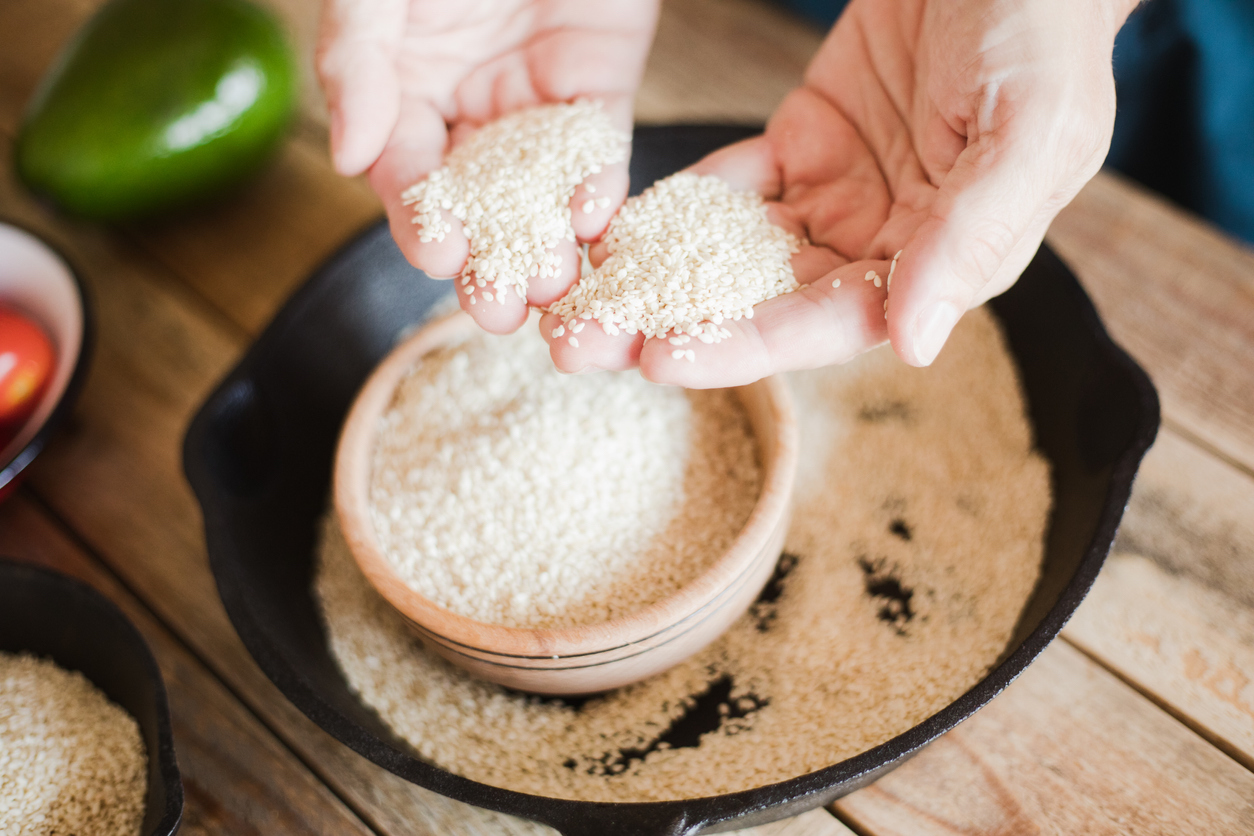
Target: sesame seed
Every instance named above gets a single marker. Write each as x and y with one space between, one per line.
510 184
684 255
558 331
835 282
71 761
828 669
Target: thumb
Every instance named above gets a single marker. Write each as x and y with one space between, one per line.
357 46
986 220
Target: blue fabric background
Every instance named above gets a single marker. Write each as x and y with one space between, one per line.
1184 73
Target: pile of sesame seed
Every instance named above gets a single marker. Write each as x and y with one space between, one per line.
510 184
513 494
917 538
71 762
685 255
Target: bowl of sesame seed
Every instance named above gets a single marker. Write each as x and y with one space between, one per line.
85 740
553 533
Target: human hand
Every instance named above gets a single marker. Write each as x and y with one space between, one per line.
405 79
950 130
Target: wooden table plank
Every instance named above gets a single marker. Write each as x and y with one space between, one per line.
237 777
1066 749
1189 647
247 254
1180 626
1194 514
1179 295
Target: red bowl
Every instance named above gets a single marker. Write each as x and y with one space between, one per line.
37 281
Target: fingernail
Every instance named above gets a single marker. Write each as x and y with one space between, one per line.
932 328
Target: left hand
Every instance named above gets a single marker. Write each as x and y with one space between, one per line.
951 130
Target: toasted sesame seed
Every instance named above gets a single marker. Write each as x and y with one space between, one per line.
71 761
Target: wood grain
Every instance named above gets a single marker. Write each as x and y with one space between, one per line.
237 777
1189 647
1179 295
1194 514
1066 749
247 254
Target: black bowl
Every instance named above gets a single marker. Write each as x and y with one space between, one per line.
258 455
62 619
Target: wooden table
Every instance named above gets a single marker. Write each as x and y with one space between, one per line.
1139 720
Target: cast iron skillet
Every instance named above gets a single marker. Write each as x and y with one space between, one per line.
258 455
57 617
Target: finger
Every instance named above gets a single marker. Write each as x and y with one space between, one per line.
583 345
497 312
544 291
988 203
357 46
597 253
820 324
748 165
596 200
416 148
811 263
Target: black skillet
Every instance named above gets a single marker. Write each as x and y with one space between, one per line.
59 618
258 455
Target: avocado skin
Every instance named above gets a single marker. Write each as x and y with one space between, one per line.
156 104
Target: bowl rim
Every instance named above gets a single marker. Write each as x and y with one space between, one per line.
350 491
23 571
11 470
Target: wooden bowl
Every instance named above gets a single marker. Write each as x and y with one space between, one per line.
586 658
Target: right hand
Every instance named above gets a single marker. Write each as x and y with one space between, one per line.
405 79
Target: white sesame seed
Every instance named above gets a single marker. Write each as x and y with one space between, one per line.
558 331
835 282
588 206
811 669
510 184
686 254
574 343
677 354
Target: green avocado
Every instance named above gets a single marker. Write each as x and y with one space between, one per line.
156 104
